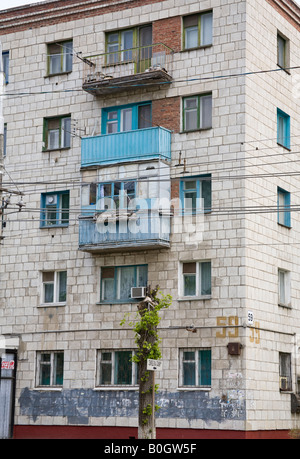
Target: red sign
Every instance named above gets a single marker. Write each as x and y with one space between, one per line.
7 365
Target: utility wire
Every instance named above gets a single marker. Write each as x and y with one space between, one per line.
186 80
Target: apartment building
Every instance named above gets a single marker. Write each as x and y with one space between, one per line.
155 143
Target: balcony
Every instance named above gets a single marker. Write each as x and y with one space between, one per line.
128 69
121 147
106 233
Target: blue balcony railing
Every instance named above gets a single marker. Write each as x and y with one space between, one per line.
141 144
151 231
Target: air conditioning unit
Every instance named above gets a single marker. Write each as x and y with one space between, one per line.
283 382
51 200
138 292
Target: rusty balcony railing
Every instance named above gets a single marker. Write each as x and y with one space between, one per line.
129 68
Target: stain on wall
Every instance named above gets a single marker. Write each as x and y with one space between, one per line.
78 405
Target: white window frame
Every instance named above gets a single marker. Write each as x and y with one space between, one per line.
56 286
198 294
181 370
134 369
284 288
52 365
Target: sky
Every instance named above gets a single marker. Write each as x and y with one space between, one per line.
5 4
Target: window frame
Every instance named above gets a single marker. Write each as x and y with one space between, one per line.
284 210
56 282
117 299
5 140
286 52
121 51
5 65
59 210
199 30
284 125
285 369
64 51
199 280
112 363
120 116
284 288
200 126
203 197
62 145
112 197
52 363
198 376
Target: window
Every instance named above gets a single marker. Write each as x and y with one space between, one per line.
195 194
121 43
116 368
283 52
115 195
126 118
283 129
119 46
197 30
284 288
197 112
284 207
195 368
5 63
60 57
195 279
50 368
55 209
54 287
285 371
88 198
4 140
116 282
57 133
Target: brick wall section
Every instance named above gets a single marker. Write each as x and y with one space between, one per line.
37 15
168 32
54 12
289 10
166 113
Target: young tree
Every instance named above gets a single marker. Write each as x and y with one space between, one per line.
147 340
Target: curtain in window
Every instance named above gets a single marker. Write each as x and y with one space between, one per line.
142 276
206 278
105 368
45 369
206 112
66 132
58 369
189 368
204 368
68 56
55 58
126 280
65 208
206 195
62 286
123 367
206 29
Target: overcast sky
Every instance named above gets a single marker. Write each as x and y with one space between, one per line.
5 4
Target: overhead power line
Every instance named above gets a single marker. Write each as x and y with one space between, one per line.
184 80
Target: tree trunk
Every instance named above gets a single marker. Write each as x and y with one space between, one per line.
148 336
146 428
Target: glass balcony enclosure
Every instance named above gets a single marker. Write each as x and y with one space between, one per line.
122 212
